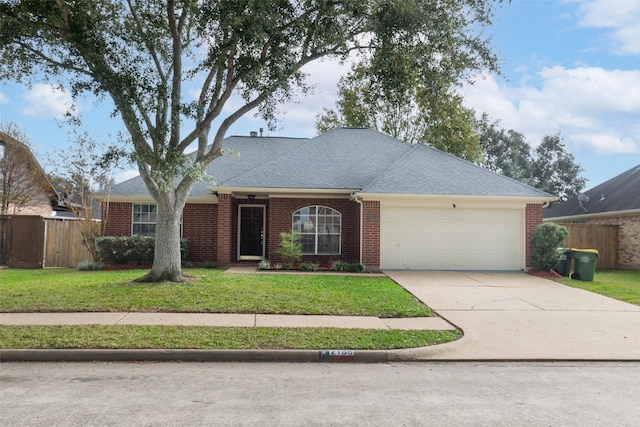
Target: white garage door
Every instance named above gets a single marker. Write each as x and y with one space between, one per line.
451 239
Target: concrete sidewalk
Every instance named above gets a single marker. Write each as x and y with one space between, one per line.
225 320
522 317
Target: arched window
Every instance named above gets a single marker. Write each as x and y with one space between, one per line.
319 228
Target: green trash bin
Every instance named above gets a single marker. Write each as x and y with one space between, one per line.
584 264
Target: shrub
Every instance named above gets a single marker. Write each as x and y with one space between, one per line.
132 249
545 242
90 266
140 249
265 264
290 248
309 266
111 250
351 267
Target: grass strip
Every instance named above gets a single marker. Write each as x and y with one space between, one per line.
200 337
623 285
209 291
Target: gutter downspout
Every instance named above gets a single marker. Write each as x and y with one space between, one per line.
355 198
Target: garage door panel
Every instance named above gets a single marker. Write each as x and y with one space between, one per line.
467 239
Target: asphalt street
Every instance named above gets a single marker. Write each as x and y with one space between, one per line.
305 394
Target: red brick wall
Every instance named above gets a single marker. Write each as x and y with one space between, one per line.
199 227
118 219
212 229
533 215
198 221
371 235
279 219
224 234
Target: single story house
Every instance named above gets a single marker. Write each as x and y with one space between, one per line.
354 195
614 202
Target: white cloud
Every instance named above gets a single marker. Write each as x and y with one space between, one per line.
3 98
595 109
621 17
48 102
125 175
608 143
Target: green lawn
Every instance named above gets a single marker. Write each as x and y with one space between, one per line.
209 291
623 285
200 337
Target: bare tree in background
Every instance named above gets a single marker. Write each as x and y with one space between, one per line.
80 176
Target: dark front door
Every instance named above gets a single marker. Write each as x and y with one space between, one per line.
251 233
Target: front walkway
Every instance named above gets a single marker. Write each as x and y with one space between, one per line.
522 317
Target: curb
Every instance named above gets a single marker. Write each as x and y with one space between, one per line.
163 355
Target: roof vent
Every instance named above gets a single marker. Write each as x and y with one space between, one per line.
253 133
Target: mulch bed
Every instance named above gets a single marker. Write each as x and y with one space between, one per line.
545 274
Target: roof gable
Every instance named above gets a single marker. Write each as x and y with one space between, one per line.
620 193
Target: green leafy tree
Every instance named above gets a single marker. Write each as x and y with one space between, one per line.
505 151
549 167
554 169
431 115
150 57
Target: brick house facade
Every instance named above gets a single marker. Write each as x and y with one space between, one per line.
355 195
212 228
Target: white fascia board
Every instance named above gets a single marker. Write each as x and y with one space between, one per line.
448 200
128 199
630 212
148 199
284 192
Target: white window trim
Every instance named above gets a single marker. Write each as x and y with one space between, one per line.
154 223
316 234
133 213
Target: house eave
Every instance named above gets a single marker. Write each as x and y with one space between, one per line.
269 192
440 197
587 216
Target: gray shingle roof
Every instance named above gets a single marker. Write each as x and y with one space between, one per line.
347 159
340 159
425 170
620 193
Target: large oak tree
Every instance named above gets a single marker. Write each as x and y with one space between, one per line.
149 57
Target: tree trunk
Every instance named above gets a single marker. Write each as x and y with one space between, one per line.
167 264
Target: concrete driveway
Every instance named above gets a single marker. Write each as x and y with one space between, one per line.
522 317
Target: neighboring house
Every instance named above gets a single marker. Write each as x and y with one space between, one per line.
25 188
354 195
614 202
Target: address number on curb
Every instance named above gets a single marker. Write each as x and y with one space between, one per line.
336 355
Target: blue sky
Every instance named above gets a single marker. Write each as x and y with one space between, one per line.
568 66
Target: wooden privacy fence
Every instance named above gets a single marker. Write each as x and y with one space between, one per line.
33 241
63 245
604 238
